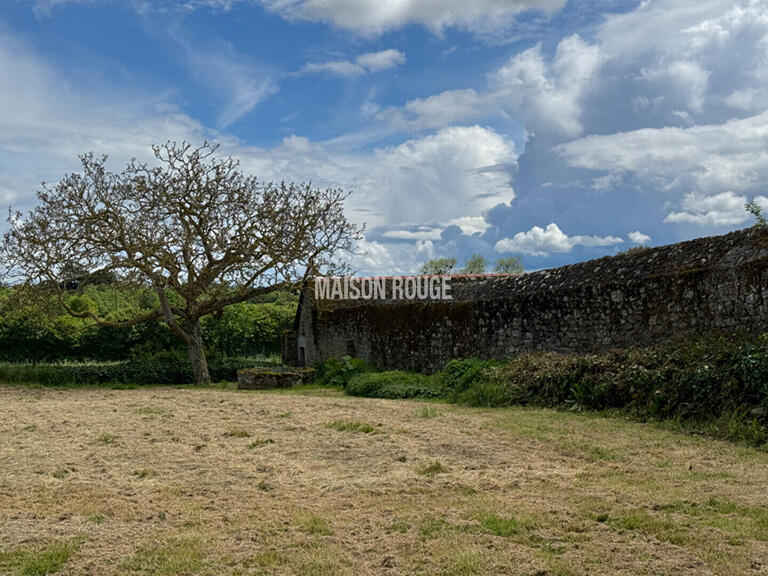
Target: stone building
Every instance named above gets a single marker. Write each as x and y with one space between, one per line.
713 284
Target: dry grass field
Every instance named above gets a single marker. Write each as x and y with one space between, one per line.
211 481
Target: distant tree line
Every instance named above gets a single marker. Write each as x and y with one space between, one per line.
477 264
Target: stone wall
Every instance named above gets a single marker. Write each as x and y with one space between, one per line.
714 284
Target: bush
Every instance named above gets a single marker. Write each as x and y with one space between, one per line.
339 371
394 384
37 329
460 375
136 372
717 384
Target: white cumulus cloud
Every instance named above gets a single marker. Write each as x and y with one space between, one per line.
710 158
724 209
453 173
638 237
548 96
542 241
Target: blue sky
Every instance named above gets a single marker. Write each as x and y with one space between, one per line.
553 130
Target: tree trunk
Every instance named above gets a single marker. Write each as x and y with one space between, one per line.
197 354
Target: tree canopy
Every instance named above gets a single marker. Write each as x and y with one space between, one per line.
191 228
438 266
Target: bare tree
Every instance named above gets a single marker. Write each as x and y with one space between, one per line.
193 228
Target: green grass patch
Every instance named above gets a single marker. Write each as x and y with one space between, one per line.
237 433
313 524
427 412
38 562
432 526
663 529
175 556
352 426
431 469
505 526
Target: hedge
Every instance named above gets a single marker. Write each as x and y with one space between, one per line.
137 372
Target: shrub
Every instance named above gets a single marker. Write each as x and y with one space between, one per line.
395 384
137 372
461 374
339 371
718 384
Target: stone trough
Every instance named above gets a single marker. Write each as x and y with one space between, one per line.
271 377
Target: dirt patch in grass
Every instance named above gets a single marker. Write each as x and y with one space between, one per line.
217 482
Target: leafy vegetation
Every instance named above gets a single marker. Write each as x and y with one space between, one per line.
756 210
438 266
159 370
475 265
39 330
717 385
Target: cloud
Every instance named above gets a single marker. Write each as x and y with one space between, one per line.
45 121
438 111
707 158
724 209
376 16
638 237
547 97
370 62
541 241
420 233
375 257
237 82
336 67
470 224
451 174
383 60
684 77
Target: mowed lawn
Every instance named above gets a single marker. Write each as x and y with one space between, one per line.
215 481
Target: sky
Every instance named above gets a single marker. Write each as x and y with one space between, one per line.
552 130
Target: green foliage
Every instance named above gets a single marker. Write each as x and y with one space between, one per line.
39 330
134 372
339 371
475 265
438 266
460 375
510 265
714 384
395 384
249 329
754 208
